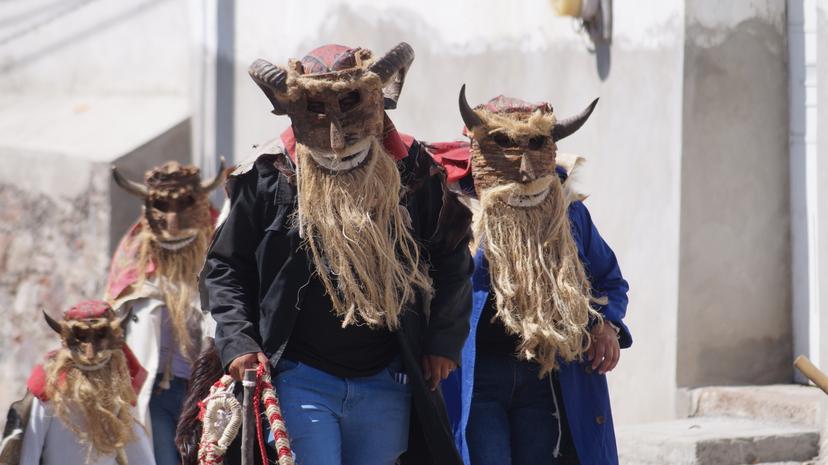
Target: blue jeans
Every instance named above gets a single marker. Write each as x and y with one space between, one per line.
514 415
344 421
165 408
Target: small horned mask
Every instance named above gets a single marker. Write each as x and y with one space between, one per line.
513 141
176 204
90 331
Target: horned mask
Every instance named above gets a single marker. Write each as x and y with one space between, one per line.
176 206
513 141
91 332
335 97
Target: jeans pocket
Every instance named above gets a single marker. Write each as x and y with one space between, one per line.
284 365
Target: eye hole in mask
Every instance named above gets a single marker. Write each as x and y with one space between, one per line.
315 106
504 141
537 142
349 101
162 205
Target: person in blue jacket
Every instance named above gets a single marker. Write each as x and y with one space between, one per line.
548 301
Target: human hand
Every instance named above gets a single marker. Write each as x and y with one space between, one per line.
436 369
604 351
247 361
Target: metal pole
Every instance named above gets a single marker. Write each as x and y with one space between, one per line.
248 444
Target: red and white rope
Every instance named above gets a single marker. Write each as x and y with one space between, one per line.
219 430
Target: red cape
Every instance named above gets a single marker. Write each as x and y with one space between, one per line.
455 157
37 380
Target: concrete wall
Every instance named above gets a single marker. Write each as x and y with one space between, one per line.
734 288
632 142
821 132
94 46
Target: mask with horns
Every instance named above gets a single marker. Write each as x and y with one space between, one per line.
514 142
90 331
336 97
176 204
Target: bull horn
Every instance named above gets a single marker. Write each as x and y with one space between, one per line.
134 188
567 126
272 80
470 117
52 323
391 69
218 180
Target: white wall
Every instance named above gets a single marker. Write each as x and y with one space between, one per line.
94 46
521 49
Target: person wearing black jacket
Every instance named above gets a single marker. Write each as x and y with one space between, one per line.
343 266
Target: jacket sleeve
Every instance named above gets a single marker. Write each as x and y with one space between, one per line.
34 436
450 269
229 280
603 272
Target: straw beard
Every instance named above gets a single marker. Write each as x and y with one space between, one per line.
95 405
178 282
542 292
354 227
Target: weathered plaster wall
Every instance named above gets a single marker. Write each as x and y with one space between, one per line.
734 288
632 141
821 131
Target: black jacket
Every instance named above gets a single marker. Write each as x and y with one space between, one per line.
254 273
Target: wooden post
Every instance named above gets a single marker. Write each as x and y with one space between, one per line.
812 372
248 442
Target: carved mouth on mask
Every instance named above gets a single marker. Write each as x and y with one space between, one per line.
528 199
177 243
100 361
342 164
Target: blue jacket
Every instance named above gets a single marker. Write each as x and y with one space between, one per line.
585 396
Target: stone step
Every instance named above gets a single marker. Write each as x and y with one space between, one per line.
801 405
716 441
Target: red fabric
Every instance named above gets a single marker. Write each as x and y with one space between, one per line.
37 380
327 58
87 309
455 157
123 270
395 142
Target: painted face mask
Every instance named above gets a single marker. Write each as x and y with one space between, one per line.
176 207
336 97
90 332
514 143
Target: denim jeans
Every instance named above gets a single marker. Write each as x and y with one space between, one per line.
344 421
165 408
514 415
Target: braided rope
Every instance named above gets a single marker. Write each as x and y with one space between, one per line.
221 417
273 411
217 436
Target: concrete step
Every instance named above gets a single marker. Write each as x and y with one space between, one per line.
795 404
716 441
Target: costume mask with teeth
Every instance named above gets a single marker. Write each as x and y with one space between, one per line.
514 143
176 207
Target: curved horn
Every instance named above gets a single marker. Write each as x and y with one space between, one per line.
399 57
52 323
218 180
121 321
132 187
391 69
470 117
567 126
272 80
